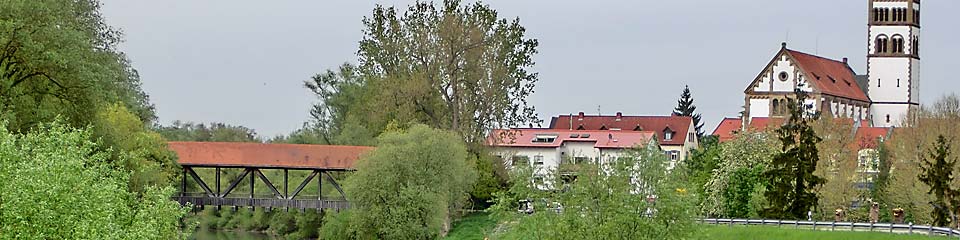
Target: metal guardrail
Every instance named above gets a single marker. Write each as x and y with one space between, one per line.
834 226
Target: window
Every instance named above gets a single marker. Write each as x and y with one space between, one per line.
668 135
691 137
538 160
776 107
579 160
674 155
881 44
898 82
521 161
897 44
888 118
545 138
878 82
784 76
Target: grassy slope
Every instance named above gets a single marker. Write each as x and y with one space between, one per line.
473 226
773 233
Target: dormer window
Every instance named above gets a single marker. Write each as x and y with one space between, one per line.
667 135
545 138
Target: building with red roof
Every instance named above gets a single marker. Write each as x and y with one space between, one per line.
832 85
676 134
546 149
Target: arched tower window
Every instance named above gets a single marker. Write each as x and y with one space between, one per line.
877 14
881 44
915 47
776 107
886 14
898 43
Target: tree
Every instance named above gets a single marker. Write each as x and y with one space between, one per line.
686 108
407 188
937 172
338 92
608 201
459 68
732 186
791 182
57 185
214 132
59 58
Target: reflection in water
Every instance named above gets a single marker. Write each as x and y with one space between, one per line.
207 234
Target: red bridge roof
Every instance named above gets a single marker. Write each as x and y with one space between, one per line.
263 155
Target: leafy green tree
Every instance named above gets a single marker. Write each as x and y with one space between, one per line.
703 161
937 172
686 108
791 182
57 185
407 188
338 92
135 147
732 186
459 67
59 58
608 201
214 132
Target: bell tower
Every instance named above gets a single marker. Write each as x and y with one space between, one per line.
893 60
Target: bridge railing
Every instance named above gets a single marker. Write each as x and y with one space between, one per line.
265 202
834 226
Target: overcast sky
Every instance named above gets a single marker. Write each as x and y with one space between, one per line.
244 62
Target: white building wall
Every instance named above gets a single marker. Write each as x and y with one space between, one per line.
759 108
764 84
784 65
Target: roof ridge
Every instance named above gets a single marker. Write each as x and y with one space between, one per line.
816 56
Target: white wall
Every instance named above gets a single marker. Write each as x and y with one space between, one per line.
784 65
885 71
896 111
759 108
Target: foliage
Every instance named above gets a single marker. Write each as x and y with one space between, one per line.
473 226
215 132
790 179
459 68
338 93
839 165
790 233
142 152
937 172
607 202
733 183
685 107
408 187
58 58
58 186
699 168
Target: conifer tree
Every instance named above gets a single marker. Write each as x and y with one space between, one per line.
790 177
937 172
686 108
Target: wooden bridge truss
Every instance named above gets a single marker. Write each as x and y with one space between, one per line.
285 200
252 158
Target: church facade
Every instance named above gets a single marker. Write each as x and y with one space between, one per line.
883 97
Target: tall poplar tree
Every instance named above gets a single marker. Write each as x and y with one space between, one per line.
790 177
937 172
686 108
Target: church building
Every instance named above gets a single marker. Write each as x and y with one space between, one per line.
883 97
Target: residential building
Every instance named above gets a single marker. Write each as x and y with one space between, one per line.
676 134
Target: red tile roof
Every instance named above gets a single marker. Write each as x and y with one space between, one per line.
728 128
830 76
294 156
867 137
601 139
678 124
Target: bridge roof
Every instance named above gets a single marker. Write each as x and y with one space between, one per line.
263 155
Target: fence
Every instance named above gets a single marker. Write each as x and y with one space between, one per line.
834 226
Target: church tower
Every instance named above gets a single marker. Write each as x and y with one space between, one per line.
893 60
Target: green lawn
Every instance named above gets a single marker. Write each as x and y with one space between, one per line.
473 226
788 233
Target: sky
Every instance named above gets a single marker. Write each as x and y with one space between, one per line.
243 62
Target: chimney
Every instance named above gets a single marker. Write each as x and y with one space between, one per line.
619 116
845 60
581 116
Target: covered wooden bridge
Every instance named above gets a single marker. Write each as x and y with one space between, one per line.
250 159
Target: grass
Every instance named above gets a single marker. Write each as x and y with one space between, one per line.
473 226
787 233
